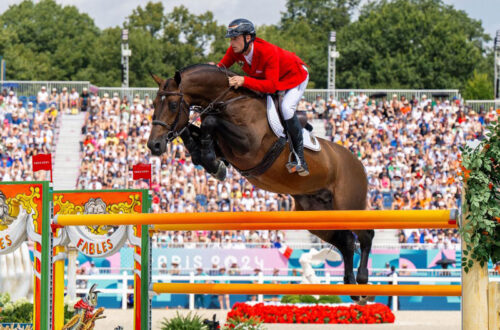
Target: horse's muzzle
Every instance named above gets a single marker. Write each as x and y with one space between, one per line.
157 147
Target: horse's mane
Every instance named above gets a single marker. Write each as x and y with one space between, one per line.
202 67
207 67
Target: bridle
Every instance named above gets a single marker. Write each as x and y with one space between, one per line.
185 107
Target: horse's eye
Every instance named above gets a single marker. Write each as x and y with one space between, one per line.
154 117
172 106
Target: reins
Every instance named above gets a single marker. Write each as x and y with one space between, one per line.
185 107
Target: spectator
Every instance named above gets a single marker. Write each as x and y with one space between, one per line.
42 99
84 100
319 106
64 100
175 270
93 269
199 299
223 298
391 273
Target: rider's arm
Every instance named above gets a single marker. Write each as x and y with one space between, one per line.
271 73
228 59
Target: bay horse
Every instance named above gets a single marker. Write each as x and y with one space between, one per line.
237 122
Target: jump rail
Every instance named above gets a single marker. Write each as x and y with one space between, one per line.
273 220
318 289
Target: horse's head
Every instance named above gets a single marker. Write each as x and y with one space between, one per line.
171 113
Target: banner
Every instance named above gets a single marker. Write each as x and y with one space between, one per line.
142 171
42 162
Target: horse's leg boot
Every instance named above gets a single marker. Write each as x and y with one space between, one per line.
215 167
207 149
295 131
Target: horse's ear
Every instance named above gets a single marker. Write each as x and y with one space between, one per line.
158 80
177 78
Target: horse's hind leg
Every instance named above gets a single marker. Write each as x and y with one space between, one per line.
365 238
342 239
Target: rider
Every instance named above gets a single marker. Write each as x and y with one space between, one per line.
269 69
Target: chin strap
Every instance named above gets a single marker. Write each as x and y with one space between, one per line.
247 43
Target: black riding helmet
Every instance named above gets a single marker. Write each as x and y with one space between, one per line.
241 26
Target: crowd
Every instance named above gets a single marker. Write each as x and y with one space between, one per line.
27 129
410 149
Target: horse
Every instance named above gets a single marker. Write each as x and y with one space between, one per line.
236 121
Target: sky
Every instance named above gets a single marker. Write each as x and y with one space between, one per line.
109 13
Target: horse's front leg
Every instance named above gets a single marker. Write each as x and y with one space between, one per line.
193 146
214 166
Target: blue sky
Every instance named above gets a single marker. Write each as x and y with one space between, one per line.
112 12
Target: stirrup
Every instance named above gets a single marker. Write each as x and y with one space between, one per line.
296 165
292 165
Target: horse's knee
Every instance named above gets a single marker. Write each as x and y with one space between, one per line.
209 124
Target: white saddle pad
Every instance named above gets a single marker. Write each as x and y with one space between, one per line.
310 141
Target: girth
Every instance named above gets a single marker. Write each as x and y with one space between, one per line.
268 160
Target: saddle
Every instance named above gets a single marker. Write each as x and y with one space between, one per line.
276 122
277 100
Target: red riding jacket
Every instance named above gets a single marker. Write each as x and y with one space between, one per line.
272 68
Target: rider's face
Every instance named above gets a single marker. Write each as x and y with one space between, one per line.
238 43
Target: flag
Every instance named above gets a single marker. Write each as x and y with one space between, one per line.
286 251
42 162
141 171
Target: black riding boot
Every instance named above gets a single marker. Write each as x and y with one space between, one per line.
295 132
214 166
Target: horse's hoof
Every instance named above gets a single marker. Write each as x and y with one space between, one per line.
221 172
355 298
370 298
362 301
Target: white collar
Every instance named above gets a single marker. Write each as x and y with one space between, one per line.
250 55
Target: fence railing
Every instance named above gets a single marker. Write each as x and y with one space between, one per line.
339 94
484 105
122 290
31 88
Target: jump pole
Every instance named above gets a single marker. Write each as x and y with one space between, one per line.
302 226
437 217
319 289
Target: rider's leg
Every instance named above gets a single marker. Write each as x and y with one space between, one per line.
288 107
295 131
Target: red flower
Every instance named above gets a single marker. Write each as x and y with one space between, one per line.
321 314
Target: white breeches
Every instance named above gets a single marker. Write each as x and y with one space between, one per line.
292 98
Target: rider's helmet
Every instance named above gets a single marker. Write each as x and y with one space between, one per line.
241 26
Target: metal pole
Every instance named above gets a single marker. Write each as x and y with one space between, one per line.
496 47
334 51
126 53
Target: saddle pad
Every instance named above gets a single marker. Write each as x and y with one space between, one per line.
310 141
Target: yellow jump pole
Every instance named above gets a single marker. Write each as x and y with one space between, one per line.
441 217
305 225
316 289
